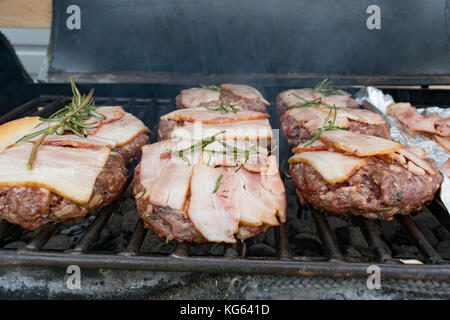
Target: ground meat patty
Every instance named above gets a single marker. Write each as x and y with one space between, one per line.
132 150
31 207
296 134
281 105
243 103
377 190
170 224
166 127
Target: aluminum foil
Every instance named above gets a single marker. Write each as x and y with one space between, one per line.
378 101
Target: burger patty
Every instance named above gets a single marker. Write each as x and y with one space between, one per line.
166 127
132 150
31 207
243 103
296 134
377 190
281 106
172 224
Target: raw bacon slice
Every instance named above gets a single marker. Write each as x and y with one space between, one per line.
195 97
251 130
358 144
244 92
313 118
290 97
421 163
344 100
204 115
315 146
122 131
214 214
444 142
415 121
68 172
334 167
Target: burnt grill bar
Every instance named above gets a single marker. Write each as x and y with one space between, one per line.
376 244
136 239
234 258
327 236
40 238
419 240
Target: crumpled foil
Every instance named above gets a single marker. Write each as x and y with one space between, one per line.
376 100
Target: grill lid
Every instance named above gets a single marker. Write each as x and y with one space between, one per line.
255 40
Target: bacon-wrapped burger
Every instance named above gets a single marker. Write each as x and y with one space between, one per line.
348 173
235 95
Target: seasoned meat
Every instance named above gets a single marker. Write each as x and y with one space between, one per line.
165 128
171 224
31 207
286 99
377 190
249 101
296 134
132 150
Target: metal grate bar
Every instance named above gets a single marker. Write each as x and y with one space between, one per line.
327 236
181 250
93 232
136 239
373 238
231 250
40 238
281 236
419 240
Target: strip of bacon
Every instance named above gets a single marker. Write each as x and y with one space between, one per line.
444 142
315 146
68 172
415 121
251 130
358 144
195 97
214 214
204 115
244 91
344 100
334 167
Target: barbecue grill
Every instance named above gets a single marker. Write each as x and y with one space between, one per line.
310 244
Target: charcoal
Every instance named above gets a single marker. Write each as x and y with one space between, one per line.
261 250
59 242
442 233
443 249
307 241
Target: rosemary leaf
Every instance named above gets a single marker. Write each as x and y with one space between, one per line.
218 183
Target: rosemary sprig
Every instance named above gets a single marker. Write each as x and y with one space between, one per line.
326 88
328 125
233 150
224 104
308 103
218 183
71 117
212 87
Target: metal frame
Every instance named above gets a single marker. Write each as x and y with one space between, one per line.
333 264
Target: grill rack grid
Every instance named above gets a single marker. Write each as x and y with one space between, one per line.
235 259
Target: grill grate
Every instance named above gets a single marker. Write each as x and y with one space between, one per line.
276 252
